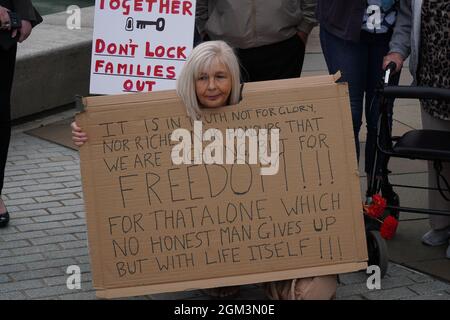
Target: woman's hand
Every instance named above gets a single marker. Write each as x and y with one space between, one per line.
393 57
25 31
303 36
78 136
5 22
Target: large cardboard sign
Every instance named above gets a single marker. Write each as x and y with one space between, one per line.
140 45
154 226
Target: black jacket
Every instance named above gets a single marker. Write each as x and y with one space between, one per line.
24 8
26 11
342 18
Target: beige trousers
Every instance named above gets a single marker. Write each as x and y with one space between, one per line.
313 288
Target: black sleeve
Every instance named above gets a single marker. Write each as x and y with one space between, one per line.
26 11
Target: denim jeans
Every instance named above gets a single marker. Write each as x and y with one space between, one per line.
361 66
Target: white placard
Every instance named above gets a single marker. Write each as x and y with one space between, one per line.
140 45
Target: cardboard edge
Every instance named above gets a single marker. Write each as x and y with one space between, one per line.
352 166
230 281
85 156
110 100
250 95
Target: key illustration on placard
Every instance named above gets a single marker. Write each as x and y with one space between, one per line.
129 25
159 24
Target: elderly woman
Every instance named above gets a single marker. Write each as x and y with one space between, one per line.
211 79
422 32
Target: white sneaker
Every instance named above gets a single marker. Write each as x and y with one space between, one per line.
447 254
436 238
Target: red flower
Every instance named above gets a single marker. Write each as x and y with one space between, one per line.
376 207
388 227
374 211
379 201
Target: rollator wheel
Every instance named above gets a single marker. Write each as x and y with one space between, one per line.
377 251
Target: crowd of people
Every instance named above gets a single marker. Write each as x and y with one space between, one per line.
243 40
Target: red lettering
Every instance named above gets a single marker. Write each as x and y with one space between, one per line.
109 68
99 64
114 4
140 85
187 8
99 46
158 71
128 85
150 85
159 51
175 7
123 49
122 68
150 4
169 52
137 5
139 72
126 8
171 72
112 48
148 52
164 5
133 48
180 52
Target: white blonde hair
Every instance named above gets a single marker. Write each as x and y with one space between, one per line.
199 60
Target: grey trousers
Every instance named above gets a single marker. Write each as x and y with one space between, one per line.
435 200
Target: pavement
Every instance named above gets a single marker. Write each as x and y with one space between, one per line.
47 233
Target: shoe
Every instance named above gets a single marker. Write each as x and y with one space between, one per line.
436 238
4 219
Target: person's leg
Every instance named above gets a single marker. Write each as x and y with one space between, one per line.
351 59
440 225
282 60
7 63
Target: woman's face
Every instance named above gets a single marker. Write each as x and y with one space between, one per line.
213 86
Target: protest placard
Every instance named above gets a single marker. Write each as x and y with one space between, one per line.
140 45
155 226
